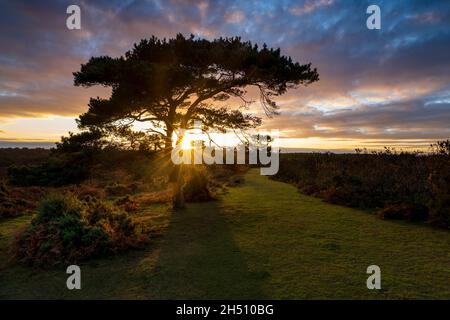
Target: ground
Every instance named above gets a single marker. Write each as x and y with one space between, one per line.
260 240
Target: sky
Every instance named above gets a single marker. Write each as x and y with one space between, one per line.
387 87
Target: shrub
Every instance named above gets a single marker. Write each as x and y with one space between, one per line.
410 186
440 213
149 198
405 212
3 191
196 187
67 230
236 180
118 189
439 202
58 170
128 204
85 191
10 205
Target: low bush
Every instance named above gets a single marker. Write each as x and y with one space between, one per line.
196 187
128 204
116 189
403 211
148 198
236 180
88 191
11 206
67 230
439 202
58 170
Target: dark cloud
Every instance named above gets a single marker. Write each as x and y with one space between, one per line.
391 83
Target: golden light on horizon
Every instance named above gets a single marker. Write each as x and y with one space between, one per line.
46 128
50 129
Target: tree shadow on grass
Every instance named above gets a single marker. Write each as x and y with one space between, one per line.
200 260
196 258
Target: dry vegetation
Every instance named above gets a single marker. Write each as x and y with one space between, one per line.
95 207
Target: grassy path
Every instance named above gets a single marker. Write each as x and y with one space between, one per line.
262 240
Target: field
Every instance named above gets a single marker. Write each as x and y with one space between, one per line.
260 239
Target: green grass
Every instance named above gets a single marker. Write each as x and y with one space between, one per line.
261 240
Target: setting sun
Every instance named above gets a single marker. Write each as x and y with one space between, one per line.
188 141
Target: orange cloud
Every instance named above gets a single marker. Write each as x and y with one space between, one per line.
310 6
234 17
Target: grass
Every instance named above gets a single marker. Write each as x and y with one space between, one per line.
261 240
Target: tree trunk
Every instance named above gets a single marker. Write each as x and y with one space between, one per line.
168 141
176 180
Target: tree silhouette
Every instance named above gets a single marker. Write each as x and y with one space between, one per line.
172 83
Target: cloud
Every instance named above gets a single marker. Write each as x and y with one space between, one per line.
388 84
427 18
234 17
310 6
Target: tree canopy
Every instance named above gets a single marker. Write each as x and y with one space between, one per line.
171 83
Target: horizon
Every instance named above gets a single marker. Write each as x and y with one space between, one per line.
12 144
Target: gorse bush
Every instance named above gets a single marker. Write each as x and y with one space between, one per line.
67 230
439 202
118 189
128 204
408 212
408 186
7 205
11 206
196 187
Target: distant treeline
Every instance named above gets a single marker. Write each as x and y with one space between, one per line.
21 156
409 186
